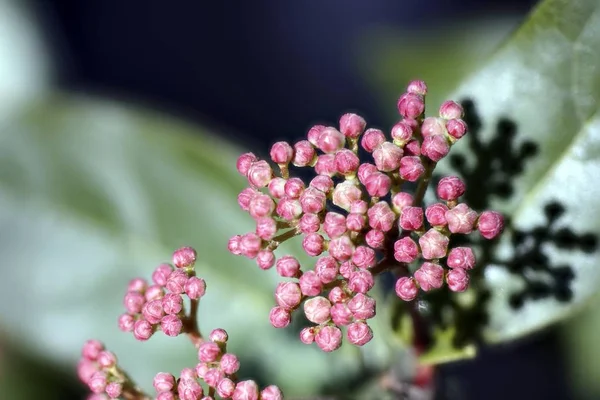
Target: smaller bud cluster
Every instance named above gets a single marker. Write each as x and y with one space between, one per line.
160 306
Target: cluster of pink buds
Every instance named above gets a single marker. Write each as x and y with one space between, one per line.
160 306
357 219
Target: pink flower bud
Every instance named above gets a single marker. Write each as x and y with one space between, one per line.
107 359
91 349
189 389
412 148
266 228
337 295
334 224
261 206
250 245
317 309
310 284
281 153
265 259
213 376
490 224
433 127
277 187
436 214
271 392
375 238
245 197
346 162
201 369
405 250
163 382
401 133
161 274
352 125
411 218
411 168
288 295
364 257
451 110
279 317
346 269
307 335
341 314
97 382
326 269
435 147
430 276
137 285
309 223
142 330
245 390
244 161
114 390
187 373
218 336
313 244
153 311
323 183
341 248
289 209
417 87
225 388
294 187
126 322
195 288
433 244
172 303
378 184
134 301
365 170
155 291
371 139
184 257
381 217
406 288
304 153
362 306
287 266
387 156
361 281
458 280
450 188
345 194
260 174
359 333
86 369
312 200
355 222
171 325
234 245
401 200
359 207
230 363
325 165
329 338
411 105
461 219
330 140
456 128
209 352
461 257
314 133
176 282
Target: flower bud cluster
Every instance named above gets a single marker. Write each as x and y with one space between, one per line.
98 369
354 214
160 306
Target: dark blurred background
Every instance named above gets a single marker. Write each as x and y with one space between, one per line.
261 71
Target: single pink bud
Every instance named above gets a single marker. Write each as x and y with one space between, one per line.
352 125
107 359
346 162
201 369
457 280
365 170
265 259
244 161
450 188
188 373
364 257
91 349
411 168
330 140
346 269
250 244
411 218
323 183
195 288
189 389
313 244
334 224
433 126
401 200
137 285
337 295
266 228
381 216
261 206
327 269
86 369
451 110
329 338
279 317
307 335
314 133
341 248
171 325
405 250
317 309
245 197
375 238
490 224
163 382
461 257
362 306
310 284
288 295
304 153
313 200
208 352
436 214
172 303
456 128
161 274
234 245
355 222
260 174
412 148
114 390
245 390
97 382
294 187
287 266
156 291
346 193
411 105
281 153
430 276
134 301
378 184
387 156
406 288
276 187
184 257
218 336
341 314
359 207
361 281
289 209
153 311
309 223
176 282
142 330
417 87
271 392
126 322
461 219
229 363
401 133
435 147
371 139
213 376
225 388
359 333
433 244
